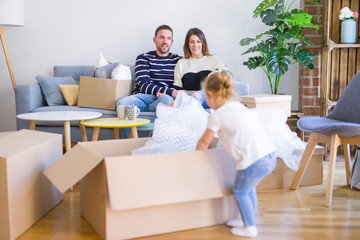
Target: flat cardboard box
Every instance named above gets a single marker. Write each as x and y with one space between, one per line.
127 196
25 193
268 100
101 92
282 176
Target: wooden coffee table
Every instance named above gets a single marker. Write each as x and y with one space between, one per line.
116 124
64 116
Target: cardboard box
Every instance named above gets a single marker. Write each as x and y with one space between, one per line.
127 196
282 176
267 100
25 193
101 92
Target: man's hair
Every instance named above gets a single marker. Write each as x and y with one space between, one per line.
201 36
163 27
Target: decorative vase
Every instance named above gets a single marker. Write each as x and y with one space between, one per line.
348 31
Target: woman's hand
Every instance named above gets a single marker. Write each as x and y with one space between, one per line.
171 104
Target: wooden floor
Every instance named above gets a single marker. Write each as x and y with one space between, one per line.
282 214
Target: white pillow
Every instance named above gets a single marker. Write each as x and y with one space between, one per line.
101 62
121 72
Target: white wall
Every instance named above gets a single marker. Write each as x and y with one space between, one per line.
75 32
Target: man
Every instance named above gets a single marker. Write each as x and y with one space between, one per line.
154 73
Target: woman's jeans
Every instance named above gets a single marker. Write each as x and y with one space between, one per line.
246 181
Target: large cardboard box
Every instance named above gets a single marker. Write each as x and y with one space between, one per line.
267 100
282 176
101 92
25 193
126 196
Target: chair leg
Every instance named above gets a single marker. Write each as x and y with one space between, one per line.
335 142
347 162
310 146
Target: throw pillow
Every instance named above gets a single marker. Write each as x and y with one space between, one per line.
101 62
105 71
121 72
51 90
70 93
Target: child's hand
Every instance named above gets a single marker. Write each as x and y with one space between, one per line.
205 140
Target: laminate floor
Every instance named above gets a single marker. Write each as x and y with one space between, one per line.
282 214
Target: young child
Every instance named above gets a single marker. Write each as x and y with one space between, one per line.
245 140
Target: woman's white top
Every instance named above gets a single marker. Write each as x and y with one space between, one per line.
190 73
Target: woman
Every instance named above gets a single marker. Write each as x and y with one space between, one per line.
197 63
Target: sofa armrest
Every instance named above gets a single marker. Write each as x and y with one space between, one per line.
241 88
27 98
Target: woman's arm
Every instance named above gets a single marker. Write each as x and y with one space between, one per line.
205 140
177 76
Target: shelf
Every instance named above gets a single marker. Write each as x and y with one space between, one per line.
333 45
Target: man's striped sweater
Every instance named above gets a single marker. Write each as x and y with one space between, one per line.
155 73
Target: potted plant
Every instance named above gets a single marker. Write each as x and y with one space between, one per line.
282 45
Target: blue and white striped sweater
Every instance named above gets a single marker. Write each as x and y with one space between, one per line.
154 73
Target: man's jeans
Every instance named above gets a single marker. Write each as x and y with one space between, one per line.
145 102
246 181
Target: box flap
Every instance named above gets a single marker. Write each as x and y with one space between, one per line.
259 98
155 179
12 143
72 167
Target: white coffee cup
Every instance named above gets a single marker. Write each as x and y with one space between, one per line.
132 112
121 111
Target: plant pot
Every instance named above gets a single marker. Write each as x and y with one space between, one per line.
348 31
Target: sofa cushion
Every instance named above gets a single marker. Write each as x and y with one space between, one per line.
105 71
51 90
73 71
70 93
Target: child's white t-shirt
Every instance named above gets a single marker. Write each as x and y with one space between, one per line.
241 133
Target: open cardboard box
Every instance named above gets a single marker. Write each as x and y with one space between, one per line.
282 176
102 93
25 193
126 196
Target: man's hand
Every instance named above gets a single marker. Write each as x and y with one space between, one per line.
158 94
171 104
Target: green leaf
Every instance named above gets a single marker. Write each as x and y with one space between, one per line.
292 32
269 17
247 41
263 6
250 50
302 20
301 55
254 62
279 63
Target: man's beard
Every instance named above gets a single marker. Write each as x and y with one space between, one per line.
162 51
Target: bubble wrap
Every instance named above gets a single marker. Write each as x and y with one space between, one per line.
289 146
176 128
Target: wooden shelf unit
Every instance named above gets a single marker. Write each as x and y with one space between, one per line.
340 62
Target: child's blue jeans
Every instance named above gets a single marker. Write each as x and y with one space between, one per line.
246 181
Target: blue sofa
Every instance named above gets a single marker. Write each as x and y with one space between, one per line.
29 98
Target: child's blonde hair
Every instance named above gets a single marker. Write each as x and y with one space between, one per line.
221 84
